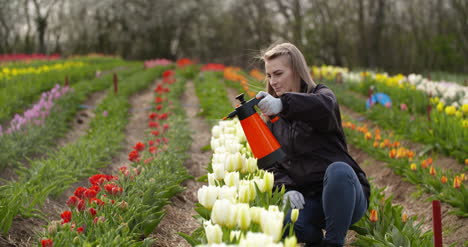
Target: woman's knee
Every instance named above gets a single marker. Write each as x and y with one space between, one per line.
339 170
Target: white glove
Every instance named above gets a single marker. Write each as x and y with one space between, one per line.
268 104
296 199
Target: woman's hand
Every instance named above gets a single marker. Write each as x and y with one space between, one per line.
296 199
268 104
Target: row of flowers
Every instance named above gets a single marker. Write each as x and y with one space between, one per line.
250 83
38 112
124 209
239 207
449 92
8 73
27 57
441 183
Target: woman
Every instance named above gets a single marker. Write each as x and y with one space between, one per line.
320 176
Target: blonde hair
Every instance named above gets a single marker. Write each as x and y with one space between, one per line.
297 62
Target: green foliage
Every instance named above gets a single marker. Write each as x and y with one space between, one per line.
209 87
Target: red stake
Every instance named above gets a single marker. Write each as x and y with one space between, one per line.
116 81
66 81
437 223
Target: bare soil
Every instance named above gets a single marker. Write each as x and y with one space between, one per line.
179 213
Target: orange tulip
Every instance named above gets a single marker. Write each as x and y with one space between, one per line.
368 135
466 162
432 171
456 182
376 144
392 153
443 179
404 217
429 161
373 216
424 164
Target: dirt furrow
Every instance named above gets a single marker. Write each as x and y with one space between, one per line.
179 213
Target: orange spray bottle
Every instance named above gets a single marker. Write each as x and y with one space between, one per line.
264 145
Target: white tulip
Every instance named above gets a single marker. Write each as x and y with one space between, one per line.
243 216
231 179
224 213
216 131
272 223
211 179
218 170
228 193
256 214
207 196
255 239
273 208
214 233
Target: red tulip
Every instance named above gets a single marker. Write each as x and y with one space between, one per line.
72 201
47 243
66 216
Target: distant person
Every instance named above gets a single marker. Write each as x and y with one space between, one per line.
320 176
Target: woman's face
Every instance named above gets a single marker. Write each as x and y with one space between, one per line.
280 75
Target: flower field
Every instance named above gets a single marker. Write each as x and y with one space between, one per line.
119 180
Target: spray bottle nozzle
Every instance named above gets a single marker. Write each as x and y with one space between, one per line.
240 97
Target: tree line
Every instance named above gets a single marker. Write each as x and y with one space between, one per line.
392 35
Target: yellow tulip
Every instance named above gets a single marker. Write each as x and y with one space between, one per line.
465 108
450 110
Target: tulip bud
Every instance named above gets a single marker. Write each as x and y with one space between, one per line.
269 180
244 193
373 216
290 242
404 217
214 234
243 216
294 215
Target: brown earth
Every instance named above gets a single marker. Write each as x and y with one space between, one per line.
24 230
179 213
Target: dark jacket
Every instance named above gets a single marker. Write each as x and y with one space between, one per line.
310 132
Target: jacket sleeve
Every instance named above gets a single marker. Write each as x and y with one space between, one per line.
316 108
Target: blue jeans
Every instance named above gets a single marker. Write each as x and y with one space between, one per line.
341 204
